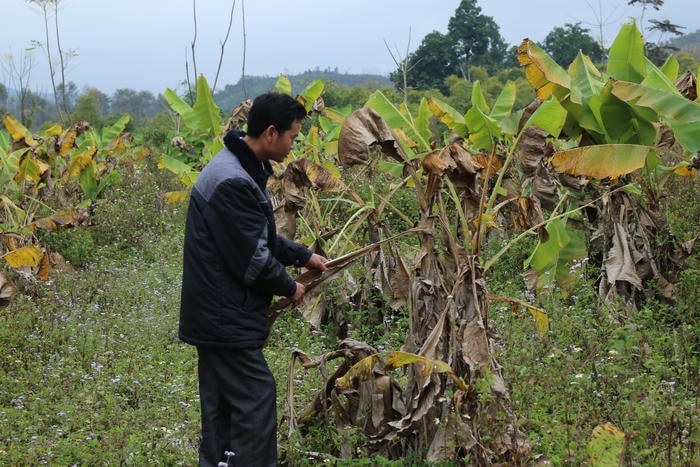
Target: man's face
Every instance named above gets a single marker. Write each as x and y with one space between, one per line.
282 143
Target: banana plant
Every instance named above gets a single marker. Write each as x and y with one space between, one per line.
203 129
617 128
491 131
78 153
446 283
95 166
35 173
197 141
621 106
442 287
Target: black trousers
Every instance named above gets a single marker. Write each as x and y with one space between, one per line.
238 401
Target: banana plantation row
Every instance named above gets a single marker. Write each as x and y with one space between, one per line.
581 169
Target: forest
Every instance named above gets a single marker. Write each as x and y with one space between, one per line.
513 279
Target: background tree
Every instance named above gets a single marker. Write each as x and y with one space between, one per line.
564 43
657 51
477 40
3 99
19 72
473 39
688 43
69 95
47 7
430 64
89 107
645 4
339 95
38 110
687 62
138 104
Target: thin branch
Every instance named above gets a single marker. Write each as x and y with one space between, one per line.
194 39
187 80
22 74
223 45
601 20
402 65
52 72
245 91
61 61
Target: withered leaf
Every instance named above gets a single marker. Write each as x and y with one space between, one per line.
7 290
362 129
62 220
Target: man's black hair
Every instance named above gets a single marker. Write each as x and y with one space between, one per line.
272 108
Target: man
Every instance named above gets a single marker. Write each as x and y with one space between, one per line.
234 263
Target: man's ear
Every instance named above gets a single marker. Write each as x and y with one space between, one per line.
270 131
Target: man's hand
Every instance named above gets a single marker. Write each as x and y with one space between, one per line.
317 262
299 294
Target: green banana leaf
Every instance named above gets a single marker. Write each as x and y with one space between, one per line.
182 108
312 92
680 113
112 132
208 113
395 118
505 101
626 59
549 116
483 130
283 85
552 259
448 115
423 120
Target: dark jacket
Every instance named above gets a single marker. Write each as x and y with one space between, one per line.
234 261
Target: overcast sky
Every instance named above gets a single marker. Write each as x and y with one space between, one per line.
145 44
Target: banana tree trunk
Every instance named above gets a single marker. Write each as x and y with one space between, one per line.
448 308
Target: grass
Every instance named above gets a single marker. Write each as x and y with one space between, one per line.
93 372
638 370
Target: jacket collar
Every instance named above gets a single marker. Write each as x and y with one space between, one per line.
258 170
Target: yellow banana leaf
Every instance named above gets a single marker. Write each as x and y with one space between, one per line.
541 316
361 370
175 196
606 446
80 161
18 131
184 172
601 161
449 116
31 169
542 72
68 141
27 256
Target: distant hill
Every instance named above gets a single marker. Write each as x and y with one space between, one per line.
232 94
687 43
